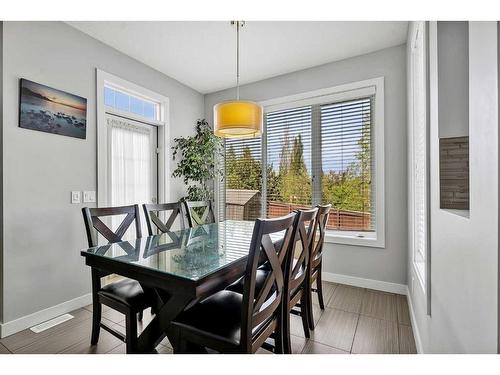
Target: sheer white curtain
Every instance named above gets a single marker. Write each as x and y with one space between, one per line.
131 165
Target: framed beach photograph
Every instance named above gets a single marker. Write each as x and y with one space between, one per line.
50 110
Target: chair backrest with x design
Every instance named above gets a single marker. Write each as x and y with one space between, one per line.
263 310
298 258
317 246
152 214
199 213
93 223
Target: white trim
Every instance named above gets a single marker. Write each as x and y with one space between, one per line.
383 286
368 239
102 134
14 326
414 326
348 91
334 90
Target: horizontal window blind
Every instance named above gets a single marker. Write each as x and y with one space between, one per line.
241 197
319 153
347 164
288 174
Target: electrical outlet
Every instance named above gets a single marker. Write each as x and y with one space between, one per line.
76 197
89 196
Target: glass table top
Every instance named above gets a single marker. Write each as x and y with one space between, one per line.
191 253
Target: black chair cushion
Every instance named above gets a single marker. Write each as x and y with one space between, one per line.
219 315
128 292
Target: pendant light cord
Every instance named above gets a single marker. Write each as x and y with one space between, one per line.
237 60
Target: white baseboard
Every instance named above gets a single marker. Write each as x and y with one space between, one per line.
414 326
14 326
383 286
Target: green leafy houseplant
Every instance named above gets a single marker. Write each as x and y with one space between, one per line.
197 164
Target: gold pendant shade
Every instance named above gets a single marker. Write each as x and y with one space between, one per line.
238 119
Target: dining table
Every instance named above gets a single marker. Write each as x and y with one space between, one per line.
177 269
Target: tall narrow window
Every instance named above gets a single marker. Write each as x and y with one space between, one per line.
241 198
346 164
419 152
288 184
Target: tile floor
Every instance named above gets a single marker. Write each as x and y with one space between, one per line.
355 320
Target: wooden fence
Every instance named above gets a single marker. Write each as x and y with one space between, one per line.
338 219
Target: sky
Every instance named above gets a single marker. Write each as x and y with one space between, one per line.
55 95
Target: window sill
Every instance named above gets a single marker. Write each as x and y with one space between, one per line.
354 238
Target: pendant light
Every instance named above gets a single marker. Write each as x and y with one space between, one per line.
237 118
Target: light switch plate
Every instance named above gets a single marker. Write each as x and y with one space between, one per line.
76 197
89 196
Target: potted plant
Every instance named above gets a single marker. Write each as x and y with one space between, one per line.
197 164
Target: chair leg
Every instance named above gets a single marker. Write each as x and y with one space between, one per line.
140 315
96 322
278 335
287 346
319 287
96 307
310 316
304 314
131 331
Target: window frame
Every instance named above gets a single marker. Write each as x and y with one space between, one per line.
425 31
342 92
162 124
339 93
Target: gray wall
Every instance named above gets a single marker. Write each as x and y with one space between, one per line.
43 231
453 76
464 250
387 264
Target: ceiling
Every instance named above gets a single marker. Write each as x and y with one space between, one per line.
202 54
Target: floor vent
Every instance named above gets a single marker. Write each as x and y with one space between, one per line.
51 323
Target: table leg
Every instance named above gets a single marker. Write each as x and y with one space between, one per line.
158 327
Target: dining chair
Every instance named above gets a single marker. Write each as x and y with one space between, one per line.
125 296
315 261
199 212
296 282
152 214
230 322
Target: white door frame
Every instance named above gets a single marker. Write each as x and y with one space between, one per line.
104 78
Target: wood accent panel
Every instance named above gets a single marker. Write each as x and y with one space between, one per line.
454 173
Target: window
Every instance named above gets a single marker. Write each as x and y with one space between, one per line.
121 100
243 180
418 154
289 177
318 148
132 125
